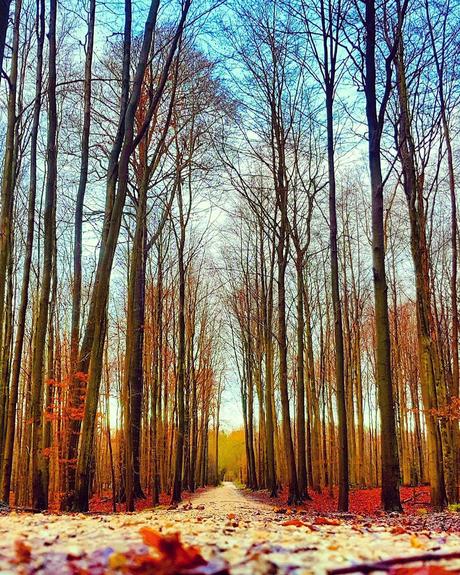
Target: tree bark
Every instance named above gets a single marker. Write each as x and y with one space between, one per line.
39 463
389 447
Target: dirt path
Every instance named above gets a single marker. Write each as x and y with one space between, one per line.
227 498
229 527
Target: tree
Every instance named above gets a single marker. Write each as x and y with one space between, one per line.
330 16
39 461
375 121
7 459
75 402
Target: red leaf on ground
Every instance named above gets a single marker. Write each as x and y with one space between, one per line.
171 550
327 521
423 570
398 530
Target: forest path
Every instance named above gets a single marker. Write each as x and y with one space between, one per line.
226 499
236 535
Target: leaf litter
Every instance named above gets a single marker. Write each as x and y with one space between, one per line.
223 532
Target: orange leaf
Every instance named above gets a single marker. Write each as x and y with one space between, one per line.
398 530
294 523
327 521
23 551
171 550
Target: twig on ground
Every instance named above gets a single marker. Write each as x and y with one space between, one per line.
387 564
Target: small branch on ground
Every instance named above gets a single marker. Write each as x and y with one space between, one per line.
388 564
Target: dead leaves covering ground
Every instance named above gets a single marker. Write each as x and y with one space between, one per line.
161 554
209 538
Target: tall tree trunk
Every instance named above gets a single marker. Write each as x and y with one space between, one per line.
6 214
267 295
434 388
389 446
294 495
134 378
337 311
75 392
180 390
440 63
39 463
300 384
7 459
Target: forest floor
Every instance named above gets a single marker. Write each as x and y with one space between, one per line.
226 531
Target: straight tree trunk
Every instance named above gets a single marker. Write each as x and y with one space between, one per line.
39 463
267 295
337 311
6 215
440 66
7 458
300 385
294 495
134 378
74 425
180 390
389 446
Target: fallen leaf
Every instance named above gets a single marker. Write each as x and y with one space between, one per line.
117 560
327 521
398 530
424 570
294 523
415 542
23 551
171 550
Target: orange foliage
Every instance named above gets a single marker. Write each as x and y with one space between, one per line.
451 411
